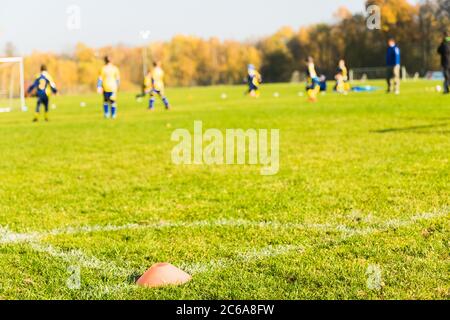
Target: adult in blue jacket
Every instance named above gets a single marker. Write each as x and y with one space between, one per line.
393 60
444 52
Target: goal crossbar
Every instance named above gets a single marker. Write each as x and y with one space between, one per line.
13 59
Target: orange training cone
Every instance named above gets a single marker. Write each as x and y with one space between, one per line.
163 274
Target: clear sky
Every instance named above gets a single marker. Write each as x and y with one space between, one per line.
42 25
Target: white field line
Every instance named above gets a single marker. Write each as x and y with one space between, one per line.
73 257
232 223
80 259
77 257
214 265
268 252
393 224
274 251
8 237
241 258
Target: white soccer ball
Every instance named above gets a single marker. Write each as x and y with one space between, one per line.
276 94
438 88
83 104
224 96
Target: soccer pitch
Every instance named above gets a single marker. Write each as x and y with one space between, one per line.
359 209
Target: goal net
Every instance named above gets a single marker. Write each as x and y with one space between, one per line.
377 73
12 86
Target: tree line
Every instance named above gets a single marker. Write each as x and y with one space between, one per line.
190 60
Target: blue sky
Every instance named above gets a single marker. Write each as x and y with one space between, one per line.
41 25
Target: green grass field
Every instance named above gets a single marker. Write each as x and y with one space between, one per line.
362 197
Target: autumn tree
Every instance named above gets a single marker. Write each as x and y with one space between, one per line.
190 60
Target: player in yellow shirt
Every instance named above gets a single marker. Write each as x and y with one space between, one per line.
154 85
44 86
342 85
313 86
108 84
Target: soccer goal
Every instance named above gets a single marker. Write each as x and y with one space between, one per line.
12 85
376 73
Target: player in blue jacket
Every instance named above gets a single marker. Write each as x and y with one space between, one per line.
393 61
44 86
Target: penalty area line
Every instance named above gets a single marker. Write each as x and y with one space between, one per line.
8 237
276 251
79 258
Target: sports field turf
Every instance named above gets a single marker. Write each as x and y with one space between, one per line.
359 210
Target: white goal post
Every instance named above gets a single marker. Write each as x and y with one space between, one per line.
12 84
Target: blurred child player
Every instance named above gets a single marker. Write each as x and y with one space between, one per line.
44 86
342 85
154 85
254 80
313 84
108 84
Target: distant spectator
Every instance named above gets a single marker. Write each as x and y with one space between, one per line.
393 61
444 51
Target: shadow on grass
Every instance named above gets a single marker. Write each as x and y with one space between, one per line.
133 278
412 129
